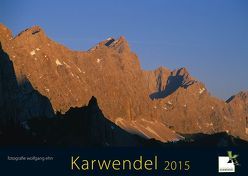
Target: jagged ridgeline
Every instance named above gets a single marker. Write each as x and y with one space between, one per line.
45 86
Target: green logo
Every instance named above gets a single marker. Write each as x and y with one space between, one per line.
232 158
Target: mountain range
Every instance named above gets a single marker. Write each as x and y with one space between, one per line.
51 94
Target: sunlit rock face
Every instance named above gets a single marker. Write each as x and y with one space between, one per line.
147 103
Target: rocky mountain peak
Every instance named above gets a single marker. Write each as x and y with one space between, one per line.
181 72
5 34
120 45
241 96
34 30
182 77
162 69
30 36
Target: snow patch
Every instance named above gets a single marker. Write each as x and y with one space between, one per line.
201 90
114 42
209 124
68 66
165 108
32 53
169 102
47 89
185 106
58 62
109 38
98 60
79 70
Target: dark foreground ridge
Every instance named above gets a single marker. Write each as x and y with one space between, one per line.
85 126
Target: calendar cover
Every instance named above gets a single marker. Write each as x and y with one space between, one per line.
123 87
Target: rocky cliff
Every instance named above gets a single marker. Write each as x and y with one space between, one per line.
158 104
